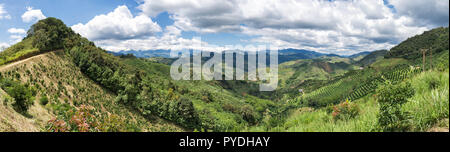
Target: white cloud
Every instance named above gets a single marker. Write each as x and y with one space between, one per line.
434 12
3 46
169 40
321 25
32 15
226 15
119 24
3 13
16 38
16 31
119 30
17 34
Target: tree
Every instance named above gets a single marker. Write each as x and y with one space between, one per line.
43 100
391 98
187 113
41 40
22 95
49 34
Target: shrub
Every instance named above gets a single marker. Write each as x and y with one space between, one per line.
248 114
186 113
43 100
22 95
78 120
443 63
391 98
345 110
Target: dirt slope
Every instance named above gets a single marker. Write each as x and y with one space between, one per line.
55 76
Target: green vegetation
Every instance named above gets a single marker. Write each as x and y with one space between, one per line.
43 100
436 40
345 111
430 103
49 34
23 96
393 108
18 52
372 57
309 74
422 110
391 98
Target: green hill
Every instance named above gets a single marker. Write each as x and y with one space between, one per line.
309 74
436 40
371 57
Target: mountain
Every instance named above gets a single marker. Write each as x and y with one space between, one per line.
371 57
145 54
284 55
436 39
301 73
295 54
364 53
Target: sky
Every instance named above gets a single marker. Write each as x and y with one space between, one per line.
328 26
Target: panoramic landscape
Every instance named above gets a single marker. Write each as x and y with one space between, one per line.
340 66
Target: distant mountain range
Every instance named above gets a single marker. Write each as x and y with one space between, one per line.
283 55
359 54
144 54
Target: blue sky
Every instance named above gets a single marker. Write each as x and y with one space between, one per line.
341 27
70 11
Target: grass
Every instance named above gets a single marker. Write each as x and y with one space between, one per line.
321 121
18 51
431 102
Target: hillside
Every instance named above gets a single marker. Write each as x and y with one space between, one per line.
371 58
308 74
435 39
428 110
358 83
53 75
360 54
